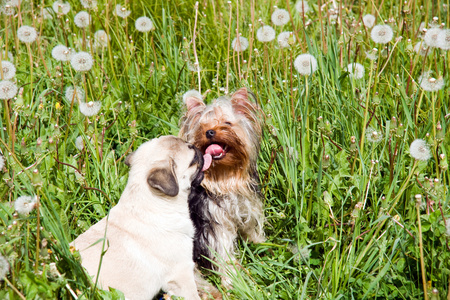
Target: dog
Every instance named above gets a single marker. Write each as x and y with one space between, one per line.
228 203
147 238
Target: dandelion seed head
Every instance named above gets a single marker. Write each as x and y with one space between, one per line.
372 54
101 39
89 4
373 135
82 19
121 11
369 20
429 83
447 229
144 24
285 39
2 162
26 34
305 64
8 89
82 61
4 267
239 44
431 37
356 70
61 53
90 108
420 150
25 204
74 93
7 9
79 143
46 14
7 56
61 7
280 17
265 34
421 48
302 6
382 34
443 39
9 70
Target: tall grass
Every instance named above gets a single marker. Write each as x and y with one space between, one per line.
342 219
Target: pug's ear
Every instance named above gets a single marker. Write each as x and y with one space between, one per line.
163 179
128 159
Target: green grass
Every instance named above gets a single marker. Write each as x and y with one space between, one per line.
341 215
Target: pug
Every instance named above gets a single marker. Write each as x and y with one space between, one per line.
145 244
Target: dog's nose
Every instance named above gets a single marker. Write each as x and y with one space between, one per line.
210 134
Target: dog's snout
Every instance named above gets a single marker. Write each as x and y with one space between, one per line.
210 134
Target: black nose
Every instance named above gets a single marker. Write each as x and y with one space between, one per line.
210 134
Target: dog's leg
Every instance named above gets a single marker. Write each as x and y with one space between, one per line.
181 282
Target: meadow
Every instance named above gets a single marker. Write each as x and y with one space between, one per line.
354 157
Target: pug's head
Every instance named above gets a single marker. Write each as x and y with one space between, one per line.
168 165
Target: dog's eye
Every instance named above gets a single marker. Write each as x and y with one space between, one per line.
228 123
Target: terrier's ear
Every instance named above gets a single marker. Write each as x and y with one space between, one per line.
193 99
128 159
241 102
163 179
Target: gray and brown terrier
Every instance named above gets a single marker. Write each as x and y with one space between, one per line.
228 202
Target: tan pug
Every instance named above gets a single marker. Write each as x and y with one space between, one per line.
147 238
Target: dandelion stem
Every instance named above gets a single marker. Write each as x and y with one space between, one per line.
38 231
422 263
195 49
366 114
228 50
14 289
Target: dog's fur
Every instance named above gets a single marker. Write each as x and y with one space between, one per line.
228 202
148 235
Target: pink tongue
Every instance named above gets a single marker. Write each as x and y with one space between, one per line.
214 150
207 158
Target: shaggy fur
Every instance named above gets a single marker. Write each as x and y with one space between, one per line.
148 235
229 202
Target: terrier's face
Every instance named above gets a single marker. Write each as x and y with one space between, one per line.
228 130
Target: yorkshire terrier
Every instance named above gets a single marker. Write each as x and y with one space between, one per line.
228 203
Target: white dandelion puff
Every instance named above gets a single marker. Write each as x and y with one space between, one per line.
369 20
144 24
101 39
90 108
7 56
82 19
79 143
4 267
431 84
431 37
240 44
265 34
61 7
382 34
8 69
302 7
122 12
285 39
82 61
2 162
444 39
61 53
373 135
447 229
356 70
74 93
25 204
280 17
8 89
420 48
420 150
7 9
372 54
47 14
305 64
89 4
26 34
